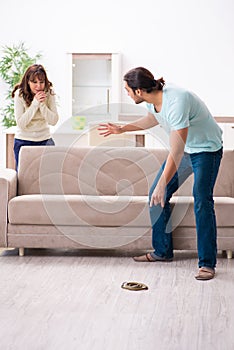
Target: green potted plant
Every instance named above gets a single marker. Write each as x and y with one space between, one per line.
13 63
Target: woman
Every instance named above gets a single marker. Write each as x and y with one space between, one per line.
35 110
195 147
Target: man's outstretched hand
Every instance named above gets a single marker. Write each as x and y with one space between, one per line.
109 128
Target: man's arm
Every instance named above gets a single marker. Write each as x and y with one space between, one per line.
143 123
177 143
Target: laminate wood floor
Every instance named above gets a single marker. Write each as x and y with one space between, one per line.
52 300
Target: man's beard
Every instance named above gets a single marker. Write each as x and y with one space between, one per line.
139 100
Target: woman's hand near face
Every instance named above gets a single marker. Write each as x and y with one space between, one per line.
40 96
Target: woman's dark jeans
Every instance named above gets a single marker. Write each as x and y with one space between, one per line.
19 143
205 166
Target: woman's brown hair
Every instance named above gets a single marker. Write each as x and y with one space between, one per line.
142 78
32 72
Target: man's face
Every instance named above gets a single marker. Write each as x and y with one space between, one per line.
134 96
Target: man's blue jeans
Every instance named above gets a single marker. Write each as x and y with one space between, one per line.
205 166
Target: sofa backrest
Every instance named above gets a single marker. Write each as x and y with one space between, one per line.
102 171
224 186
88 170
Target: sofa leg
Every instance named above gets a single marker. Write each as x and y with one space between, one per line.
224 254
21 251
229 254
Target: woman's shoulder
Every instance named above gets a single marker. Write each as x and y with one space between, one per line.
16 93
18 96
50 93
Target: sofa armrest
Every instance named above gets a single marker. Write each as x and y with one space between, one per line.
8 190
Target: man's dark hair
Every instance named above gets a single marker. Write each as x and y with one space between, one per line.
141 78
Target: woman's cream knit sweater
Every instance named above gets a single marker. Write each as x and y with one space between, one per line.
33 122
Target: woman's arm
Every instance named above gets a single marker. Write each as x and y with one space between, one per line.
49 111
23 117
177 143
143 123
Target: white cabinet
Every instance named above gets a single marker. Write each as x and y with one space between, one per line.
95 83
228 135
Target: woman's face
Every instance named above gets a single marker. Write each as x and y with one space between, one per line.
36 85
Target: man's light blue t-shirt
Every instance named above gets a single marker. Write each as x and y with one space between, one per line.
181 109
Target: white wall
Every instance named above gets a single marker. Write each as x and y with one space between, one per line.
188 42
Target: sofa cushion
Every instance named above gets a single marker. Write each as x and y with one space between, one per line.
79 210
106 210
183 211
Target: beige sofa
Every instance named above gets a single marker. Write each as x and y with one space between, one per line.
96 197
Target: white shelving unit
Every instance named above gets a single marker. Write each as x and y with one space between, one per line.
95 85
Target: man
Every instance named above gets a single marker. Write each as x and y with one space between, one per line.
195 147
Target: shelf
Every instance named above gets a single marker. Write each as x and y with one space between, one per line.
92 86
224 119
